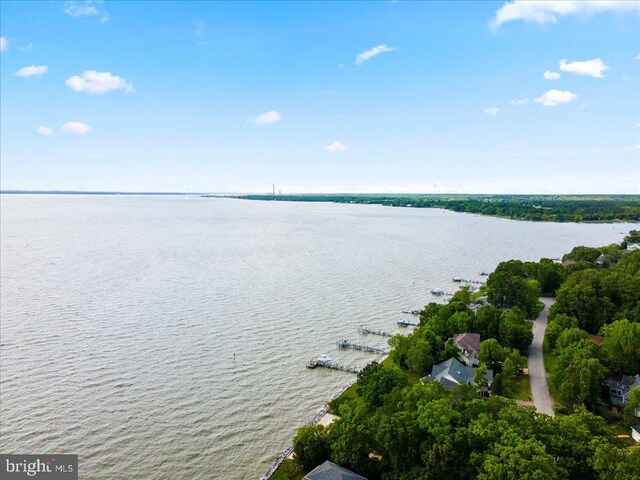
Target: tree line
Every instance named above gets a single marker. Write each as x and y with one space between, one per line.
547 208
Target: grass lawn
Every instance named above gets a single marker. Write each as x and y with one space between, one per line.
280 475
350 393
522 389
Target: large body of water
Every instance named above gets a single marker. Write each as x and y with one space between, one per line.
121 315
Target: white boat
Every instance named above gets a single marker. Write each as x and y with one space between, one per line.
437 291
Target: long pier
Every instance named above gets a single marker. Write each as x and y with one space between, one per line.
412 311
344 343
366 330
465 280
318 362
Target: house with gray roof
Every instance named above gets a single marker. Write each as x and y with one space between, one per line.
453 372
619 390
330 471
635 433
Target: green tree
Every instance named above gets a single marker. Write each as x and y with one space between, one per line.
622 344
614 463
352 440
571 335
366 373
521 459
419 357
292 470
399 438
380 384
487 322
582 254
311 446
582 302
451 350
515 331
549 275
631 410
578 374
496 386
480 377
558 324
509 375
492 353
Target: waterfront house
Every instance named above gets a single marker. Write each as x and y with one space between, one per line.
330 471
635 433
469 345
453 372
619 390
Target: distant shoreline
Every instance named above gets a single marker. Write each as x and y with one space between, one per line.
620 208
565 208
97 192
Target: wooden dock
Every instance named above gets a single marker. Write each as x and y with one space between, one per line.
317 362
344 343
366 330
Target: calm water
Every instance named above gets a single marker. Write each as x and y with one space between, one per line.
121 316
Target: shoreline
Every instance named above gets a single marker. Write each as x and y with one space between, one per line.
279 198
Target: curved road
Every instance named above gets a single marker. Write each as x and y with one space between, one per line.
540 395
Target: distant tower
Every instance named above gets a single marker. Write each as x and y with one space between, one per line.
274 189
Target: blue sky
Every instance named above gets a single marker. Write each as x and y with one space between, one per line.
232 97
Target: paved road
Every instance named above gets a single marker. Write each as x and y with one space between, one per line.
540 395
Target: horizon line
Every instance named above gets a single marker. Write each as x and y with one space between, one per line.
118 192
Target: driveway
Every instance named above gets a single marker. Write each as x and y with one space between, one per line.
540 395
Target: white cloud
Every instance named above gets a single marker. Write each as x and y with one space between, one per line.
92 81
520 101
44 131
631 148
27 72
554 97
334 147
369 54
590 68
76 127
4 44
548 75
491 111
26 47
267 117
88 8
549 11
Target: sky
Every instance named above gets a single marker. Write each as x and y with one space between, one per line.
420 97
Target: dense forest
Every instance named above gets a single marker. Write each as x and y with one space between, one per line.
548 208
395 424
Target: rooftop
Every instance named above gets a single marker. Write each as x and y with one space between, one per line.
469 343
330 471
453 372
